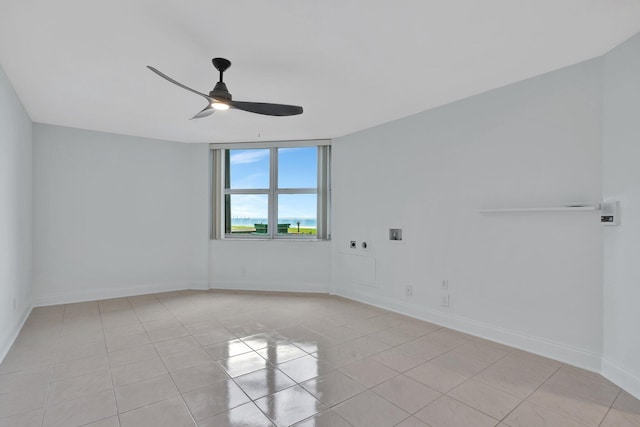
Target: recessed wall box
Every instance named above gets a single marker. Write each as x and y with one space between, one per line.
395 234
610 213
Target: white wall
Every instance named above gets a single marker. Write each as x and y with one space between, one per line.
529 280
270 265
15 214
621 140
116 215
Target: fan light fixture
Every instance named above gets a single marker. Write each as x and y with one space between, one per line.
220 106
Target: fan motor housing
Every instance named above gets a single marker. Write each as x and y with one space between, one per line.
220 91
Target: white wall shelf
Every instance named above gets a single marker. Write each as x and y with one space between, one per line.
568 208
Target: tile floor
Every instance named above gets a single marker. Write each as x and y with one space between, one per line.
246 359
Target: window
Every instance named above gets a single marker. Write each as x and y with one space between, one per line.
271 191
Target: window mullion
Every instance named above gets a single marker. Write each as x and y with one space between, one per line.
273 196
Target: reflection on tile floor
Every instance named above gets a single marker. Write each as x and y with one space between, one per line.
210 358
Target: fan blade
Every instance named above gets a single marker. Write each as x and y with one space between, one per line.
164 76
206 111
267 109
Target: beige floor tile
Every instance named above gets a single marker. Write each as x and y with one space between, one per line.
81 411
532 415
407 393
449 338
114 319
438 378
246 415
392 337
79 338
340 355
82 350
132 355
166 413
74 368
24 419
412 422
24 359
483 397
243 364
464 365
565 401
372 324
186 359
599 391
280 353
214 336
260 341
333 387
132 396
15 402
21 380
81 308
370 410
289 406
327 418
138 371
263 382
226 349
484 350
341 334
304 368
529 364
202 326
447 412
368 372
127 341
75 387
617 418
415 328
511 380
198 376
214 399
155 325
152 313
627 404
368 346
107 422
123 331
423 348
398 360
177 345
159 335
114 304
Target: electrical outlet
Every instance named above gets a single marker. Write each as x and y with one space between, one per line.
409 290
444 300
445 285
352 244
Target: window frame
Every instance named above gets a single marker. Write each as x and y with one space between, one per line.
219 160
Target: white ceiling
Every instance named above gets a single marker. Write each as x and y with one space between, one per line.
351 64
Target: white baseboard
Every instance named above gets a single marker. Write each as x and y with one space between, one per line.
621 377
564 353
281 286
55 298
6 344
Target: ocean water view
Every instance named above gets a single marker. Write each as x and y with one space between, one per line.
293 222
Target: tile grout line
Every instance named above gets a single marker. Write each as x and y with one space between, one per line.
530 394
53 366
113 385
610 407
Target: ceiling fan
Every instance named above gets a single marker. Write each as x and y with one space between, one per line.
220 98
